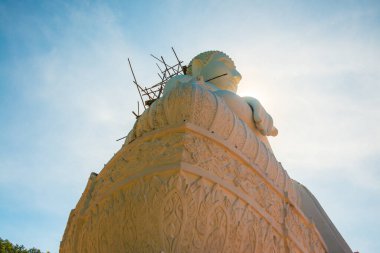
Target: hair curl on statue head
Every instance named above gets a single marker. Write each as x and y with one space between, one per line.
206 57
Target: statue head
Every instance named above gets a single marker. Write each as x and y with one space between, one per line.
217 68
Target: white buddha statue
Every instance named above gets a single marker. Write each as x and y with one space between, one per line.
216 71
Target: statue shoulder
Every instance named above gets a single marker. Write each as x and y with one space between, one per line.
184 79
176 80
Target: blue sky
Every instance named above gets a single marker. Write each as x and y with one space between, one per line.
66 95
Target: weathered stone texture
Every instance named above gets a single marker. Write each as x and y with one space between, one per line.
191 177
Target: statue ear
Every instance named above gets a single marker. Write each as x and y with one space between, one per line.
196 67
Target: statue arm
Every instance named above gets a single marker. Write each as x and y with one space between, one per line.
262 119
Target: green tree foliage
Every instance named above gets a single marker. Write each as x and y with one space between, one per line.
7 247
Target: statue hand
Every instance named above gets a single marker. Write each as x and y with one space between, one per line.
262 119
264 122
